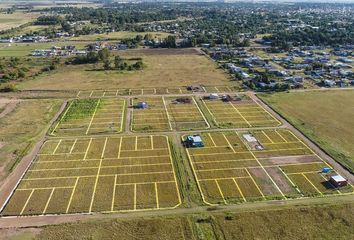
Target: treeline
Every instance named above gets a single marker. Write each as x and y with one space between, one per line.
104 56
309 37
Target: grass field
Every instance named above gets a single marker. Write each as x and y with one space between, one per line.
21 129
118 36
91 116
163 68
277 164
8 21
101 174
242 113
333 220
325 117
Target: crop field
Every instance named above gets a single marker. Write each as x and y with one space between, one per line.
274 165
101 174
165 114
151 91
185 116
153 118
242 113
91 116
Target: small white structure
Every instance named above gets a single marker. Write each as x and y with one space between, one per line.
213 96
249 138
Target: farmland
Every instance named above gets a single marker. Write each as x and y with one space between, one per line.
98 174
164 68
241 113
165 114
273 164
326 117
91 116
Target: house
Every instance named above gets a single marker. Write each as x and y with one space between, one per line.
329 83
142 105
194 141
338 181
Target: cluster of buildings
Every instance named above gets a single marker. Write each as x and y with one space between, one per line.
323 66
25 39
58 51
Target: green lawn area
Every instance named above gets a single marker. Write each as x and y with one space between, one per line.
327 117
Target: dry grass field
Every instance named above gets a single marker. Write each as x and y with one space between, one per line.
91 116
8 21
244 113
98 174
21 129
326 117
163 68
274 165
118 36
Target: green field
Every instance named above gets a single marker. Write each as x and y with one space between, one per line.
326 117
8 21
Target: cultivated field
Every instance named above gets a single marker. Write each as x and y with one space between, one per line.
185 116
101 174
326 117
241 113
165 114
163 68
151 91
276 165
91 116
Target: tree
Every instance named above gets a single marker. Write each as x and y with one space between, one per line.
104 54
117 62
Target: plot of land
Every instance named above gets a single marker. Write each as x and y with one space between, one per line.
153 118
91 116
185 114
326 117
101 174
166 113
256 165
151 91
162 68
241 113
